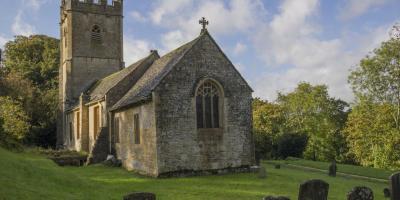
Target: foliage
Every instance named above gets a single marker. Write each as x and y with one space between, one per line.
29 176
14 121
373 130
309 109
372 135
30 77
377 78
291 144
35 57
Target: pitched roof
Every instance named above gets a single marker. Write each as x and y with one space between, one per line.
141 91
101 87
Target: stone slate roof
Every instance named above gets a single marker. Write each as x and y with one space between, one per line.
101 87
142 90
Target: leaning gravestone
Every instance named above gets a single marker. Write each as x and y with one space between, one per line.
394 180
262 173
314 190
275 198
333 169
140 196
360 193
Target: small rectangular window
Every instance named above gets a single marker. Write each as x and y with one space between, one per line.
116 129
78 124
71 131
136 128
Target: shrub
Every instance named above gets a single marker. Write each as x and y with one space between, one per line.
290 145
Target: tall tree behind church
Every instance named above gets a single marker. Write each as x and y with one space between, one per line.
30 76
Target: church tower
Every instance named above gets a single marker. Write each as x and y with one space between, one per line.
91 49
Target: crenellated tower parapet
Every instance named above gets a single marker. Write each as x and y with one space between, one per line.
99 6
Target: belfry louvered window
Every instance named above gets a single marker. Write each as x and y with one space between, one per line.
96 33
207 105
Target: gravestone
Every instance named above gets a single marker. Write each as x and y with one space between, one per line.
386 193
360 193
140 196
275 198
333 169
262 173
394 181
314 190
277 166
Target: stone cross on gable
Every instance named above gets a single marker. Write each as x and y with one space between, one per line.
204 23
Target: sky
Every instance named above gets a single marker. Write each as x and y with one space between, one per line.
275 44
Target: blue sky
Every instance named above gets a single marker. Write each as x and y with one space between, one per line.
275 44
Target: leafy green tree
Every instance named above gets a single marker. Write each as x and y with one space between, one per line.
309 109
35 57
373 129
15 122
30 77
377 78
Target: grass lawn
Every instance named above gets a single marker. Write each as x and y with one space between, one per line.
348 169
30 176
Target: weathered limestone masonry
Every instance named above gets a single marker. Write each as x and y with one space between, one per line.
180 144
187 112
91 49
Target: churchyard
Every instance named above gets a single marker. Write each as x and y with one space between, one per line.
30 175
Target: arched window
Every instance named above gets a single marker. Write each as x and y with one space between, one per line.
208 98
96 33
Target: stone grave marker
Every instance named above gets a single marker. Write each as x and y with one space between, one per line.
314 190
360 193
333 169
140 196
262 173
394 181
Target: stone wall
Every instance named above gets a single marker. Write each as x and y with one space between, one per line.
180 144
85 60
138 157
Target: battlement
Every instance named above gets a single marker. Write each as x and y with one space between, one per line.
112 7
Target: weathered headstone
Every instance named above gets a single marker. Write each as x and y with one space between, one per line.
277 166
275 198
386 192
360 193
394 180
314 190
262 172
140 196
333 169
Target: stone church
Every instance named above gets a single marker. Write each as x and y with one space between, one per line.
186 111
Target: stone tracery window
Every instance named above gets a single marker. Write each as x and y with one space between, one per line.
208 105
96 33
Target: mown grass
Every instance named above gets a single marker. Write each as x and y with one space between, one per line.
31 176
348 169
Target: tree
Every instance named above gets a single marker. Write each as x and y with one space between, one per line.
30 78
377 78
14 121
373 128
35 57
310 110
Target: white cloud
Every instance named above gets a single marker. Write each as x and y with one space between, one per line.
239 48
135 49
355 8
138 16
291 42
20 27
181 17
